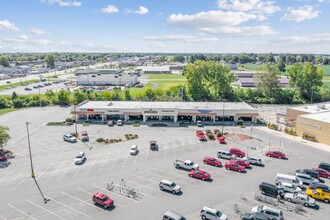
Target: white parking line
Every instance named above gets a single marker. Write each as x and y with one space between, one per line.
46 210
3 217
54 172
146 179
102 165
24 179
24 170
69 207
27 215
114 162
93 165
126 160
146 158
73 197
116 203
6 175
60 178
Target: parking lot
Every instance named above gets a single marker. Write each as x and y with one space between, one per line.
70 187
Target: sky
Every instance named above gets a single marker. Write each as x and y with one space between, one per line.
168 26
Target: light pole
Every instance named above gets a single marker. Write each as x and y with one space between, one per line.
223 114
32 170
75 117
39 98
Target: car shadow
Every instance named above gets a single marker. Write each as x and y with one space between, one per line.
249 168
285 158
106 209
316 207
174 194
80 164
321 180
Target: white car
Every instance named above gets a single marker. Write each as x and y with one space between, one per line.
300 199
80 158
254 160
69 138
271 213
289 187
169 186
134 150
212 214
120 122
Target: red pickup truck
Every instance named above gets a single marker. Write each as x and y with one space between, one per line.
201 135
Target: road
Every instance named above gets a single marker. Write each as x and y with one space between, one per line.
70 187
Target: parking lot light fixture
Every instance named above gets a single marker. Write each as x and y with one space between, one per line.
28 136
223 114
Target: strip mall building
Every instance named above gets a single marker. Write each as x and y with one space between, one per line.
165 111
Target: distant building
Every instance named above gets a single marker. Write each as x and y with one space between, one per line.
251 82
106 80
85 71
154 69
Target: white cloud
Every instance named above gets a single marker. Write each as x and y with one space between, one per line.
37 31
110 9
141 11
7 25
298 40
62 3
42 42
184 38
23 37
302 13
222 22
257 6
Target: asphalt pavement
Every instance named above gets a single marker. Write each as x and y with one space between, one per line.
69 187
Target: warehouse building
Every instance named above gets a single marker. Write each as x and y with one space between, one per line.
166 111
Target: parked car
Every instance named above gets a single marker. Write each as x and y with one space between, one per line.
237 152
299 198
70 138
212 161
253 216
234 167
222 140
134 150
199 174
200 135
305 178
169 186
8 82
271 190
225 155
275 154
199 124
272 213
170 215
27 89
80 158
318 194
321 186
36 87
289 187
286 178
120 122
241 162
111 123
310 172
254 160
325 166
186 165
103 200
322 173
212 214
84 136
153 145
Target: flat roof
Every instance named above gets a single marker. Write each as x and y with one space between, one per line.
316 108
166 105
104 77
323 116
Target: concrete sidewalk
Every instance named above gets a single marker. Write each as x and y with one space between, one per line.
316 145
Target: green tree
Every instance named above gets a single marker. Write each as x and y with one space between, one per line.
281 65
79 96
14 96
50 61
306 79
267 81
208 80
149 95
51 95
127 95
63 97
4 136
4 61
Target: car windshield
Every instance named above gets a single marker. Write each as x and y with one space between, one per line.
218 213
105 199
79 156
173 185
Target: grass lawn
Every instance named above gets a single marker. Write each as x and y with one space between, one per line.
2 87
161 81
7 110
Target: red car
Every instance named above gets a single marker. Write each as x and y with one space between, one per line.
235 167
322 172
103 200
237 152
222 140
275 154
199 174
241 162
212 161
201 135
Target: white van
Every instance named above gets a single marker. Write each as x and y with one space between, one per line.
285 178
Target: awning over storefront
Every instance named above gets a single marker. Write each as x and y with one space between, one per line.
88 113
196 114
132 113
246 114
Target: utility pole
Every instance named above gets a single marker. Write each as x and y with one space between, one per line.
223 114
75 117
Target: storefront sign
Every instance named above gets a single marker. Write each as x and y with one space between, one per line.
311 124
167 110
113 111
90 110
151 111
204 111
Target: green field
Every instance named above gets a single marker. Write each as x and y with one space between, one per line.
160 81
7 110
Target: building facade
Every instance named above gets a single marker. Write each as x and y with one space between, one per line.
166 111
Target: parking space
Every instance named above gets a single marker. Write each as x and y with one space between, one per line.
70 187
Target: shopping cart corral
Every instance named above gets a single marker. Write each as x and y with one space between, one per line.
124 189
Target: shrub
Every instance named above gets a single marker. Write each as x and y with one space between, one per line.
111 140
136 136
99 140
55 123
69 120
86 124
136 125
210 136
106 141
225 133
119 140
208 131
240 122
309 137
219 134
215 131
272 126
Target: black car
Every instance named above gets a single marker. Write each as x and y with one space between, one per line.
310 172
325 166
271 190
324 187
